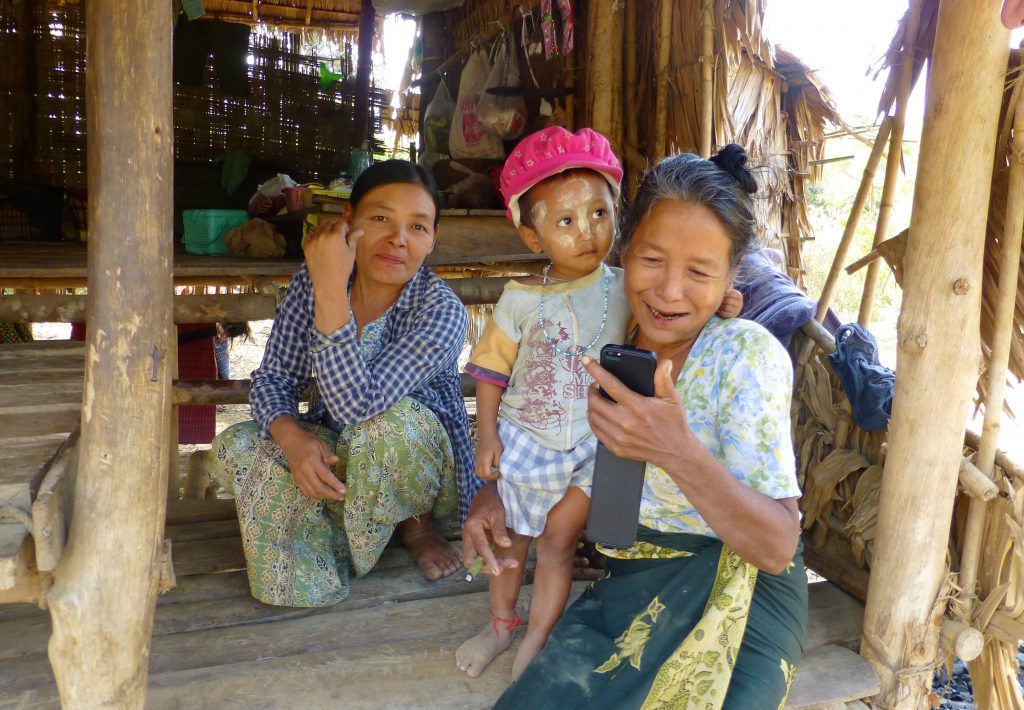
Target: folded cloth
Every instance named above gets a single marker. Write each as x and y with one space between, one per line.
255 238
771 299
867 382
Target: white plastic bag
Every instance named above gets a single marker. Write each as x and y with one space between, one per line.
504 116
468 138
437 125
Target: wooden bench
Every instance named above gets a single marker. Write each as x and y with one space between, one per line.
40 407
390 644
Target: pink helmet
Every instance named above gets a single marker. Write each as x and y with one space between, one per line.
553 150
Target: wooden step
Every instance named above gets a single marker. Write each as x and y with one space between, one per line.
829 676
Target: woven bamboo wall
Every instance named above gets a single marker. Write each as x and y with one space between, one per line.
287 119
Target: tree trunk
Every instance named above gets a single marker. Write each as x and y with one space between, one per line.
939 349
105 586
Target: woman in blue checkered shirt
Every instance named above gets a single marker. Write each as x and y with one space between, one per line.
385 443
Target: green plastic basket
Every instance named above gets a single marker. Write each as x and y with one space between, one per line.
205 229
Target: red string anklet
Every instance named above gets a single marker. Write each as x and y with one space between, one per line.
509 624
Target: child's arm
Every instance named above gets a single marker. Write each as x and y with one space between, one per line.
488 450
732 304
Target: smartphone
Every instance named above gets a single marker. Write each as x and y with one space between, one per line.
618 482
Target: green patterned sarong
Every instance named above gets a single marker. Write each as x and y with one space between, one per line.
301 552
678 622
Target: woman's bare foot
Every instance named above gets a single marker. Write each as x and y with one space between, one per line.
435 556
529 648
477 653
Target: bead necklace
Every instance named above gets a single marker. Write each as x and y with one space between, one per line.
577 349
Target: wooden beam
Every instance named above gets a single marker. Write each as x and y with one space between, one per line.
103 611
938 342
208 309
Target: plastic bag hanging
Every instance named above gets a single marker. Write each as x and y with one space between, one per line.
437 124
468 138
502 110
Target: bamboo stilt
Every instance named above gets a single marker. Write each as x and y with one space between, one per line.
938 338
664 48
895 157
707 59
866 183
104 591
1002 328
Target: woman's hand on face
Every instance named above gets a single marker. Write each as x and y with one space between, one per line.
652 429
485 528
310 461
488 456
330 252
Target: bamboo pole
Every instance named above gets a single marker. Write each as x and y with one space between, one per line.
866 183
1002 328
938 343
893 160
103 597
707 60
662 76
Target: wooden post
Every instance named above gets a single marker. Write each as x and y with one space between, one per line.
866 182
25 106
939 349
894 159
707 65
604 69
629 87
364 68
105 586
1002 323
662 76
432 39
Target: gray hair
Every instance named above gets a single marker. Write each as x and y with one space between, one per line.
722 184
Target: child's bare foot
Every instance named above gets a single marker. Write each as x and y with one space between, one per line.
529 648
435 556
477 653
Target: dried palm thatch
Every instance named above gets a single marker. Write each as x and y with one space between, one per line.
338 17
765 99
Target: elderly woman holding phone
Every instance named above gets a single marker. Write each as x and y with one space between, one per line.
708 608
385 445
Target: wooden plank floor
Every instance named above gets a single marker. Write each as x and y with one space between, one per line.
389 645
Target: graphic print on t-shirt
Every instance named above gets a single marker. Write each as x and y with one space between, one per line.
541 406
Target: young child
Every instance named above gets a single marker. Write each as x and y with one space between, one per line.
561 190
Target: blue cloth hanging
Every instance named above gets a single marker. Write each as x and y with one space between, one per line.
867 382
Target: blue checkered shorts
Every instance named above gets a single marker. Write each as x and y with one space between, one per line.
534 478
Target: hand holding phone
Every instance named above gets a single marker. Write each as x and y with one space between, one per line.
619 482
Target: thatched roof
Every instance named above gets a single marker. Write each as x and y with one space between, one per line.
332 15
290 14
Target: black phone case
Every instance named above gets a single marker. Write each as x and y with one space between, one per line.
618 482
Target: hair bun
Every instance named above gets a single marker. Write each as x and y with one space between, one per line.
732 159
